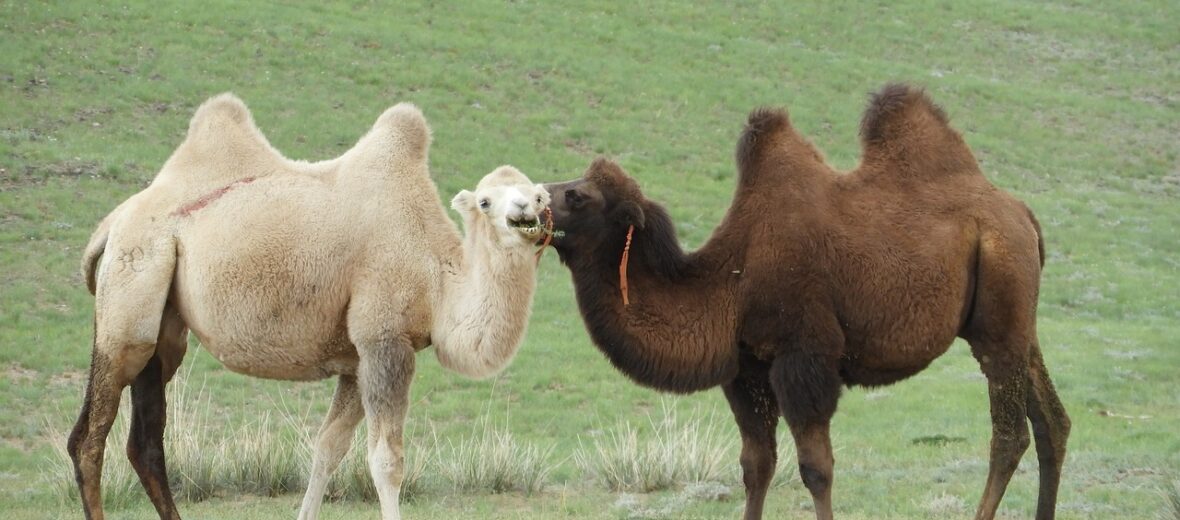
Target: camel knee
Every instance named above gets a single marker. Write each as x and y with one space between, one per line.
87 441
1063 428
1017 444
385 464
1051 443
757 467
73 445
815 480
141 453
1007 449
807 387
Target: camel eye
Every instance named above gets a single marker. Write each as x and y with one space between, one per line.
574 199
483 203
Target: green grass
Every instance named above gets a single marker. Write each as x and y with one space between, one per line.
1072 106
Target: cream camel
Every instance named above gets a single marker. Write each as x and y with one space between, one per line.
301 271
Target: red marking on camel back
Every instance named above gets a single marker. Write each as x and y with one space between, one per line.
195 205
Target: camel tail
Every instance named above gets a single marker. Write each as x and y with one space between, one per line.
1040 236
94 251
904 131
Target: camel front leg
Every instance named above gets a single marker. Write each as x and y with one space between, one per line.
384 376
808 387
756 411
332 443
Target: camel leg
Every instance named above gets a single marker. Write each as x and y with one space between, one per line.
130 309
87 443
807 386
384 376
1007 387
756 411
1050 426
145 442
332 443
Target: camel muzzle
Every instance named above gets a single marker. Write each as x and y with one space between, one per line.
528 226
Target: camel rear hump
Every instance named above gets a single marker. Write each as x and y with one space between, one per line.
222 109
398 143
903 131
223 121
223 145
409 132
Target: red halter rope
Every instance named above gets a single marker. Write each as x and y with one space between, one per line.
623 266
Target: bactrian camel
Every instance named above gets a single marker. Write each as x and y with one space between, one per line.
301 271
817 279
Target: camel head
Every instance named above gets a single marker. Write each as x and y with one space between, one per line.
596 211
506 204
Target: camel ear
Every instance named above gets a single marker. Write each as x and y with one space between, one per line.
464 202
630 213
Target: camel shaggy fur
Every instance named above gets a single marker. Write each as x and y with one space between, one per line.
815 280
300 271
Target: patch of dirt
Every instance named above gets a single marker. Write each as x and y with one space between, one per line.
162 107
578 146
18 374
37 174
68 379
36 84
937 440
18 443
83 115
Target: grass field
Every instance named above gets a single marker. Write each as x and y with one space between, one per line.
1073 106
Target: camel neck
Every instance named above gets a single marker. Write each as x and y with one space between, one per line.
485 307
677 333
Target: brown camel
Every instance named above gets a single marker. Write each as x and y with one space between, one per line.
815 280
300 271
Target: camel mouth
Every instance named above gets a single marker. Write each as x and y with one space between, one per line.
530 228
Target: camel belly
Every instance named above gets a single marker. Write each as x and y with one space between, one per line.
291 346
267 317
882 364
896 326
286 362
